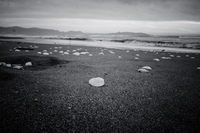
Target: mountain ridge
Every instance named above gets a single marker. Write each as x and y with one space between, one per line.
16 30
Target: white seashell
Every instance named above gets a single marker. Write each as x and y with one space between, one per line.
137 55
143 70
119 57
39 52
84 53
45 53
97 81
178 56
76 53
17 50
8 65
127 51
2 64
147 67
90 55
50 53
101 53
66 53
26 50
28 64
156 59
18 67
55 51
171 55
60 52
166 58
136 58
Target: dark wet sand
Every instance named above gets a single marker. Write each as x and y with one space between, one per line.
54 95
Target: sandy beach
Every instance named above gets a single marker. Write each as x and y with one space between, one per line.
53 95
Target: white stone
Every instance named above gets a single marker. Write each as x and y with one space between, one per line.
97 82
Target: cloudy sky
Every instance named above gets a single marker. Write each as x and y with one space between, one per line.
104 16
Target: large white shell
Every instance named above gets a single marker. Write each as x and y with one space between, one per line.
28 64
76 53
97 81
156 59
146 67
143 70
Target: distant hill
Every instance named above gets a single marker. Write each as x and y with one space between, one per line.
50 32
34 31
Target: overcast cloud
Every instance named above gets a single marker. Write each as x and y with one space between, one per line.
118 11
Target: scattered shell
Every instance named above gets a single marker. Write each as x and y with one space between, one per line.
119 57
127 51
60 52
18 67
137 55
171 55
97 81
166 58
147 67
90 55
45 53
84 53
50 53
17 50
178 56
8 65
28 64
136 58
101 53
156 59
2 64
39 52
55 51
66 53
143 70
26 50
76 53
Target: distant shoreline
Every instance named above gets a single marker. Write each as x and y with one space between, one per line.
106 44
